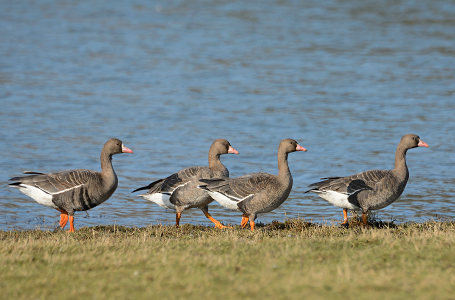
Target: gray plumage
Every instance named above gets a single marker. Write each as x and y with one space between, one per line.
74 190
255 193
369 190
179 191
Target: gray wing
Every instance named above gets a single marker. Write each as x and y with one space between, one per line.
169 184
33 173
56 183
183 177
152 187
350 184
240 188
363 184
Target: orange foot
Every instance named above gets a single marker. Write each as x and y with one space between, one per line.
71 219
345 218
252 225
63 218
244 221
217 223
221 226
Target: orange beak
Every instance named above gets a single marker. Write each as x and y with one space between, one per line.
422 144
300 148
126 149
232 150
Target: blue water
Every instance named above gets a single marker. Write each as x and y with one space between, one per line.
345 78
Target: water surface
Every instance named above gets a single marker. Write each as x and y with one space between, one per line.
345 78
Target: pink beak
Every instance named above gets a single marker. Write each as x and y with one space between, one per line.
232 150
422 144
300 148
126 149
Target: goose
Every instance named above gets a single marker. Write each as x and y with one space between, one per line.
369 190
73 190
179 191
255 193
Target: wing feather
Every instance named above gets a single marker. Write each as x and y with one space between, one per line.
56 183
350 184
240 188
169 184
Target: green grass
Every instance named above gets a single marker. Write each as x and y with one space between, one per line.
279 261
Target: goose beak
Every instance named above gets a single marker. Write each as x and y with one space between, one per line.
300 148
422 144
232 150
126 149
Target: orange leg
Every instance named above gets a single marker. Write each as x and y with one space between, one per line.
71 218
364 218
63 218
244 221
177 219
252 225
217 223
345 216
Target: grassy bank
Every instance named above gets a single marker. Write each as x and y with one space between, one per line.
290 260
